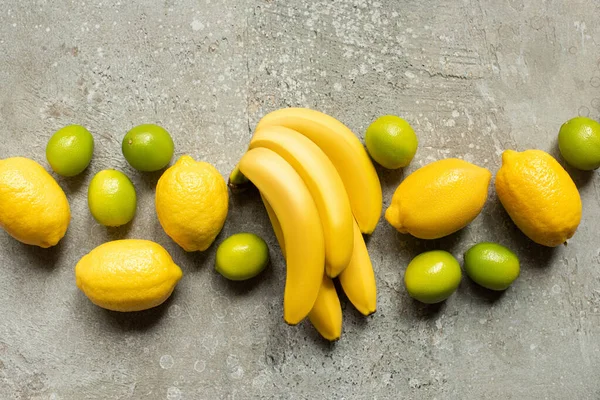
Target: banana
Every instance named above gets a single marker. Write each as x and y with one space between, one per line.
358 279
347 154
358 282
296 211
325 186
326 314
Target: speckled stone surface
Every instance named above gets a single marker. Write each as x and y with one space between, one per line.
473 77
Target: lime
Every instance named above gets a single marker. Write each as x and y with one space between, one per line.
111 198
148 147
491 265
69 150
432 276
579 143
391 141
242 256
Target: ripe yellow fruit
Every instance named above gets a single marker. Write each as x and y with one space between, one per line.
192 203
33 207
127 275
439 199
539 195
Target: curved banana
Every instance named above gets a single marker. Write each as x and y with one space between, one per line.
325 186
326 314
347 154
296 211
358 279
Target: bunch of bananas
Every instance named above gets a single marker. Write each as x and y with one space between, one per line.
321 193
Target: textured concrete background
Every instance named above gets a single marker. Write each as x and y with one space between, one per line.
473 77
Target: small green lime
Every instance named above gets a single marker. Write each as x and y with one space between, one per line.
431 277
491 265
148 147
111 198
579 143
69 151
391 141
242 256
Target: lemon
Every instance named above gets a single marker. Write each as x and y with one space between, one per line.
192 203
111 198
242 256
148 147
432 277
539 195
391 141
491 265
439 199
579 143
127 275
33 207
69 151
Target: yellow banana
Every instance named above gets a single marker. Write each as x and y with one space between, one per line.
326 315
347 154
358 279
296 211
325 186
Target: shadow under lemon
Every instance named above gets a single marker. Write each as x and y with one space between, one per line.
132 320
45 259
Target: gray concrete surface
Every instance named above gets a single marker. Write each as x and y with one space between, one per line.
474 77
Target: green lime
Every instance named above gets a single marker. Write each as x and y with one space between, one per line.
391 141
69 151
579 143
111 198
148 147
491 265
242 256
432 276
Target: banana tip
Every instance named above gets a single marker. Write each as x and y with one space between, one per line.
291 322
366 311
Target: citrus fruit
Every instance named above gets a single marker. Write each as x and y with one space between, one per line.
192 203
391 141
148 147
491 265
33 207
242 256
432 276
539 195
111 198
69 151
127 275
579 143
439 199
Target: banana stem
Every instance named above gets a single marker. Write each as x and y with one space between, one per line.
237 181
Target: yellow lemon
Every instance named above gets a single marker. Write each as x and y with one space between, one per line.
539 195
33 207
192 203
439 199
127 275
